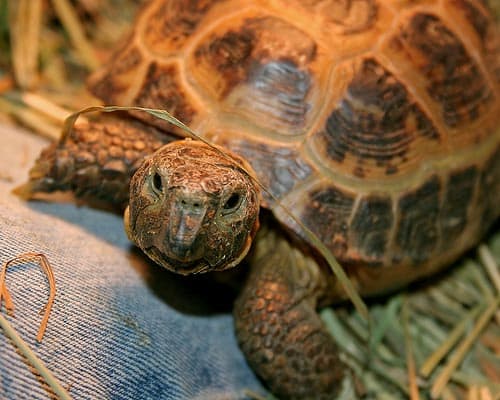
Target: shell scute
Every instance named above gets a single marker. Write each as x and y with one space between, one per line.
113 84
327 214
261 69
376 128
342 17
440 56
490 189
172 23
417 232
371 227
479 17
162 88
459 193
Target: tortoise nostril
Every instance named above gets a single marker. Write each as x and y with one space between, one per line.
193 204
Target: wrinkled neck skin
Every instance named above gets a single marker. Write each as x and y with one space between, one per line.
193 208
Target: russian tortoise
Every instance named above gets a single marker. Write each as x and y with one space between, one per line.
375 122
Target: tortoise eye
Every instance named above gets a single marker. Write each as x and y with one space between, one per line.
157 183
232 203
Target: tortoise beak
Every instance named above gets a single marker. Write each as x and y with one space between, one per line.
186 217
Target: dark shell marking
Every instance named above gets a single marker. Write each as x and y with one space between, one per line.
458 198
117 77
278 91
371 226
484 25
171 25
162 89
479 21
261 70
417 231
490 189
377 120
327 215
442 58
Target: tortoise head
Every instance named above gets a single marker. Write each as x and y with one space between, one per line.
193 207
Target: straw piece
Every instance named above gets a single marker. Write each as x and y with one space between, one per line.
33 359
410 360
490 266
383 322
485 393
44 263
24 24
70 21
31 119
458 331
461 351
5 295
46 107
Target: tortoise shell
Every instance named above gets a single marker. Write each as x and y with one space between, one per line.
375 121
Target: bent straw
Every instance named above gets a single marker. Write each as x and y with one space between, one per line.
44 263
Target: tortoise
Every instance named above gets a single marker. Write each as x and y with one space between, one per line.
374 122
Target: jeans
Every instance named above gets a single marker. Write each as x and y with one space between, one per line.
120 327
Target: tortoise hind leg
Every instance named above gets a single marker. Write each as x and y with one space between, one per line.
278 327
95 161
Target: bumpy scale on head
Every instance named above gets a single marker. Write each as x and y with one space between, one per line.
193 208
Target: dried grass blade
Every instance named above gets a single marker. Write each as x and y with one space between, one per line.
458 331
461 351
383 322
34 360
44 263
490 265
410 360
5 295
46 107
25 18
70 21
31 119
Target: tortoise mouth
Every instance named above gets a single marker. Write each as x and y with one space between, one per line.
177 263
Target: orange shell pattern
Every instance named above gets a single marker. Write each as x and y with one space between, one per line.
376 122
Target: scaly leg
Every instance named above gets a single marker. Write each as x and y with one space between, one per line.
278 327
96 161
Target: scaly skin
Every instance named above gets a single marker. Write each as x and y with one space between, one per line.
96 161
278 327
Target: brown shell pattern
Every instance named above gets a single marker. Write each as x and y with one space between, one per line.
376 122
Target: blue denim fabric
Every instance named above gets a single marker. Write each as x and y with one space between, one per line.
120 328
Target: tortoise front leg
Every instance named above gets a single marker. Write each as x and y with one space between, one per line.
95 161
277 325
